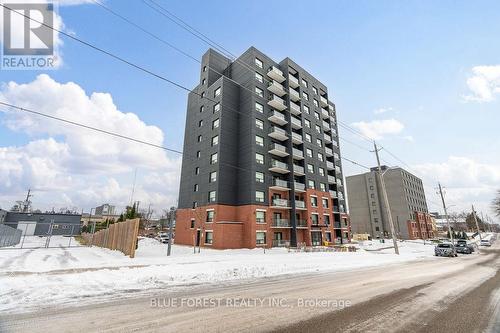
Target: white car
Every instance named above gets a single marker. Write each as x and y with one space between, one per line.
485 242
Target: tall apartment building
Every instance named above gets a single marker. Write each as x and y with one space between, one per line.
261 164
406 196
105 209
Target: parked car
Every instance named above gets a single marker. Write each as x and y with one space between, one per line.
469 245
463 248
163 237
445 250
485 242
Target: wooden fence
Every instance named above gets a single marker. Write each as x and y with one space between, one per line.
121 236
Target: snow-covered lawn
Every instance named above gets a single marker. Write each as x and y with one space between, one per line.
34 278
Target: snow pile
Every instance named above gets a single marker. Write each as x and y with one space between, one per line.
36 278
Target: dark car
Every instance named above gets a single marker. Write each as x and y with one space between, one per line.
464 242
445 250
463 248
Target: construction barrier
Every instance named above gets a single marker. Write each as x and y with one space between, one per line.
121 236
9 236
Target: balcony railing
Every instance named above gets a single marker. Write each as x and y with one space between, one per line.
299 170
331 108
278 150
328 138
301 223
300 204
279 167
281 243
276 102
336 156
278 133
299 187
337 170
331 179
329 165
339 182
333 194
294 95
328 151
296 123
295 108
276 88
323 101
297 138
324 114
276 74
276 202
293 81
280 183
277 118
326 125
297 154
281 223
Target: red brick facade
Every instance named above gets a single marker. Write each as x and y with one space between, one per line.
421 228
236 226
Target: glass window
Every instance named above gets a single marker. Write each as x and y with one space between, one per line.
321 171
259 107
210 215
211 196
315 90
215 123
203 81
216 107
305 95
215 140
259 140
200 123
204 68
209 237
322 187
259 124
200 138
259 177
202 108
192 221
321 157
307 123
259 196
196 187
259 77
259 158
198 154
316 104
259 63
314 219
310 168
260 216
316 115
304 83
213 158
324 201
217 92
306 109
318 128
203 95
314 201
311 184
259 92
195 204
326 219
197 171
213 177
319 142
308 137
309 152
260 238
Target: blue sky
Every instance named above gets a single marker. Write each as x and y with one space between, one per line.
412 59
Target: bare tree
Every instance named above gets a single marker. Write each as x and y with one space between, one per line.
496 204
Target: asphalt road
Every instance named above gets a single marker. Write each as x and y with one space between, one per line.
443 295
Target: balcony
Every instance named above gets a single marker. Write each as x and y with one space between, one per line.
278 133
278 150
329 165
296 123
280 203
324 114
328 139
276 88
299 187
297 138
336 156
297 154
323 101
337 170
276 74
281 243
301 224
336 210
277 118
328 151
331 179
326 125
279 167
298 170
335 144
339 182
276 102
334 132
301 205
280 223
295 109
294 95
341 196
333 194
280 185
293 81
331 108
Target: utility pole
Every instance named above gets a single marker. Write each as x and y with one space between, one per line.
477 224
171 214
446 213
386 201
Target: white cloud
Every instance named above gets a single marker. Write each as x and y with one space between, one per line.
377 129
466 181
86 166
382 110
484 84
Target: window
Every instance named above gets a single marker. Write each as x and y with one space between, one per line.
322 187
260 216
259 141
192 223
314 201
216 107
204 68
309 152
259 63
259 177
198 154
373 203
203 81
195 204
307 123
319 143
200 138
213 158
260 238
326 219
259 107
306 109
310 168
321 171
259 92
314 219
259 77
209 237
321 157
318 128
315 90
196 187
213 177
200 123
324 201
304 83
215 140
305 95
202 95
259 158
197 171
211 196
316 104
371 187
377 229
308 137
210 216
259 196
259 124
316 115
215 123
374 211
375 220
311 184
202 108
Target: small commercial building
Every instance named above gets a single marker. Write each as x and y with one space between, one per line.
43 224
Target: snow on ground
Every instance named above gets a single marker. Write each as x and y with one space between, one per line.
33 278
